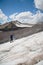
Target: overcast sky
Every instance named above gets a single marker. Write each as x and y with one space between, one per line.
29 11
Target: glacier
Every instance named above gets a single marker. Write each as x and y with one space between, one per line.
24 51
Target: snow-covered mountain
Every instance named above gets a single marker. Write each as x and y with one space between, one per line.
14 24
24 51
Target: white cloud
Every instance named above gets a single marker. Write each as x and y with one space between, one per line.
28 17
3 17
13 16
39 4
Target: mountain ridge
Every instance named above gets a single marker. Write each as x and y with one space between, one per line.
14 24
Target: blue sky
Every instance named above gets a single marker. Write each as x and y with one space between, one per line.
30 11
11 6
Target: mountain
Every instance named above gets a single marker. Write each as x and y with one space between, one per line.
8 26
38 26
13 25
24 51
18 32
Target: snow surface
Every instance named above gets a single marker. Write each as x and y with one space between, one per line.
40 63
24 51
24 25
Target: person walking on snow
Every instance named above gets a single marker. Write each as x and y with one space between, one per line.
11 38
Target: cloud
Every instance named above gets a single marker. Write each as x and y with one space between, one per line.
39 4
13 16
3 17
27 17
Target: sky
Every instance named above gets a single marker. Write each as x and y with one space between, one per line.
21 10
13 6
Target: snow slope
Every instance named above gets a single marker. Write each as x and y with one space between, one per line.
25 51
24 25
40 63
